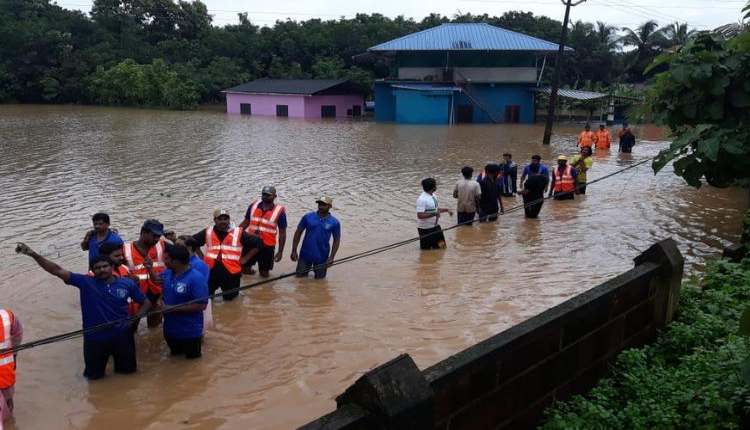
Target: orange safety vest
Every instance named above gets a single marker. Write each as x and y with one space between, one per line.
122 271
7 361
564 182
586 138
264 223
228 251
134 261
603 139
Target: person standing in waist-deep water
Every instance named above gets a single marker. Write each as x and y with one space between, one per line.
509 176
104 299
266 220
535 160
586 137
603 138
227 249
533 189
144 257
100 235
490 202
428 217
627 138
563 180
317 252
12 332
468 192
182 283
582 163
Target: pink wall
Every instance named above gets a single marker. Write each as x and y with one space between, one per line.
265 105
342 103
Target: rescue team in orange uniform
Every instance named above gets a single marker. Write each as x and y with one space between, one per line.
266 220
603 138
147 250
563 180
587 137
12 334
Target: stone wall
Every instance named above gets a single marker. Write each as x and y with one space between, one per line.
506 381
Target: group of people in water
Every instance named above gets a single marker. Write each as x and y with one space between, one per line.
481 196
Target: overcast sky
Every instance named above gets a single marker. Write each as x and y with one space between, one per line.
701 14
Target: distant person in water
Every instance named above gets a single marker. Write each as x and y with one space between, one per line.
627 138
563 180
490 202
101 234
534 188
468 192
508 176
582 163
428 217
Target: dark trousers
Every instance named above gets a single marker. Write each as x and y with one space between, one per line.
532 210
465 218
189 347
304 267
560 195
581 188
431 238
96 354
219 277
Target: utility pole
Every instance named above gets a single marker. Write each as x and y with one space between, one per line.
558 68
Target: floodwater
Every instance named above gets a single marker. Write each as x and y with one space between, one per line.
280 354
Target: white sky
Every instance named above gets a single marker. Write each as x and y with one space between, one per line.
700 14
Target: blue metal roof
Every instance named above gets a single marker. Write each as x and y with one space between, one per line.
426 87
466 37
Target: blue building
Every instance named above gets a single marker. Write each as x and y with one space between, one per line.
461 73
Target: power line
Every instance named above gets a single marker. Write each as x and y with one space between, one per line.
99 327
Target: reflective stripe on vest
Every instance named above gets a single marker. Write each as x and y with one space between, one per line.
7 361
564 182
140 271
265 226
230 249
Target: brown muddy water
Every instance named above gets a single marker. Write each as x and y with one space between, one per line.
279 355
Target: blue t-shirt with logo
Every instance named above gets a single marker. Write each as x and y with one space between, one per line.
198 264
103 302
94 244
318 232
182 288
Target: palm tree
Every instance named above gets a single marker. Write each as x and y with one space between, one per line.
606 35
677 34
648 42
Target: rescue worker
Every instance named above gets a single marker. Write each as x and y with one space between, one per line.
582 163
104 299
317 252
563 180
147 251
100 235
114 252
603 138
12 335
266 220
627 138
587 137
227 249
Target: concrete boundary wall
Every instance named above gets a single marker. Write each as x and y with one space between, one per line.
506 381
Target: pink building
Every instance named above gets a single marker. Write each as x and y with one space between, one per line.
299 98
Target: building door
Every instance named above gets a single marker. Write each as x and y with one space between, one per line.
464 113
282 110
328 111
246 109
356 111
512 113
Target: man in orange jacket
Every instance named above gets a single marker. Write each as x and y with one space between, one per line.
603 138
587 137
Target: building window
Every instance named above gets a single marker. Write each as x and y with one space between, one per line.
246 109
512 113
282 110
356 111
328 111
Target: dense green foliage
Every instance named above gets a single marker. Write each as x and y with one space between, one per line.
704 99
50 54
689 378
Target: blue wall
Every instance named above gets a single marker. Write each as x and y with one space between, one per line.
495 98
422 107
385 102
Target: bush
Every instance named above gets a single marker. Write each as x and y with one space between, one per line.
689 378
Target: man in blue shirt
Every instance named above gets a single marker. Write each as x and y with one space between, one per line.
100 235
316 252
181 283
196 262
104 299
542 170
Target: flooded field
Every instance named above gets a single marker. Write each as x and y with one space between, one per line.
280 354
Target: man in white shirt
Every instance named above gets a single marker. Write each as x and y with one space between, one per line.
428 215
468 192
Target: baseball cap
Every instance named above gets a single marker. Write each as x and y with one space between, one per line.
325 200
562 157
268 190
220 212
154 226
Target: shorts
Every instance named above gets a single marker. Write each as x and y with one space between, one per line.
304 267
431 238
219 277
465 218
264 258
96 354
189 347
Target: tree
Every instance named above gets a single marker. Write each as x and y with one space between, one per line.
704 99
677 34
648 43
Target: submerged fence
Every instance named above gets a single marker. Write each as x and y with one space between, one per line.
506 381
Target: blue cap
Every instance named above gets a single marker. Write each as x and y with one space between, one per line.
154 226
